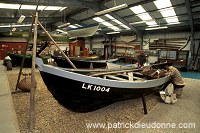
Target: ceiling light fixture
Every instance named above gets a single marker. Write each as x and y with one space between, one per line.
14 29
140 22
115 32
21 19
63 8
155 28
64 25
58 30
111 9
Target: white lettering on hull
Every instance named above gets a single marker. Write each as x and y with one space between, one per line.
95 87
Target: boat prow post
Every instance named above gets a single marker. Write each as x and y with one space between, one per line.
39 62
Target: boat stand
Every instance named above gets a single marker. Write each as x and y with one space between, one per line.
144 104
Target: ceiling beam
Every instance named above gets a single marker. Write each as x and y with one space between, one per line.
190 15
71 3
28 19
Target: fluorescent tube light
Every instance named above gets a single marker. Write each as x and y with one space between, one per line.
32 7
112 9
73 26
53 8
58 30
9 6
173 23
151 23
155 28
78 25
139 22
116 32
21 19
64 25
8 26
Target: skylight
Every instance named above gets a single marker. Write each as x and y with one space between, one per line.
138 9
142 14
109 16
117 21
125 27
172 20
107 24
98 19
145 16
160 4
115 28
167 12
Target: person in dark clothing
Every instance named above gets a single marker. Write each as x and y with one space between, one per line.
141 59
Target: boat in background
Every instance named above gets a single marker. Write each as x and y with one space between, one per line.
83 31
94 90
16 59
82 62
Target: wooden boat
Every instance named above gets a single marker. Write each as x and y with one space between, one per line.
84 31
93 90
82 63
17 59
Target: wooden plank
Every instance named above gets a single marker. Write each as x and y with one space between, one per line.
133 77
114 77
112 72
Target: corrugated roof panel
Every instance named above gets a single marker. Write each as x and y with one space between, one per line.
180 10
133 19
124 12
84 15
7 13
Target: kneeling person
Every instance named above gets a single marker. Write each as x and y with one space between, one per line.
176 80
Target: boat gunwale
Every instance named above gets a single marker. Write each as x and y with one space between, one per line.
103 82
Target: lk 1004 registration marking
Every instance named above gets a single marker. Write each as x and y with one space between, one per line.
95 87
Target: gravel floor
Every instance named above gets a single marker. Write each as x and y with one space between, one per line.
51 117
